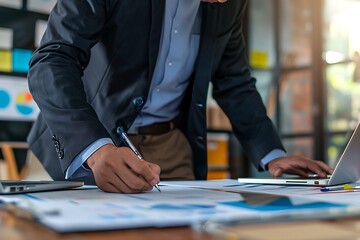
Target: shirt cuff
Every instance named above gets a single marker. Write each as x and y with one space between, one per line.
276 153
76 168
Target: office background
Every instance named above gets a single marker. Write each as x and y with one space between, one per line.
304 54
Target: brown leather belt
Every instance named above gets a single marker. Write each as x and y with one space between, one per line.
154 129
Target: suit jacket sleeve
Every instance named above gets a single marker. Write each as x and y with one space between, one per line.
236 93
56 69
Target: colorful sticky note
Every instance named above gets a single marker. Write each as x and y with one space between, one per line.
259 59
5 61
21 58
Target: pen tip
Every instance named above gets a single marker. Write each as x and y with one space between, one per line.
157 187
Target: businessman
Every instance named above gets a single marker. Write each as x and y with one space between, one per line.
145 67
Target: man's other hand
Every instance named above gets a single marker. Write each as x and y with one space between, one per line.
298 165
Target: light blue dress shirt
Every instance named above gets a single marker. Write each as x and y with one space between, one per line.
178 50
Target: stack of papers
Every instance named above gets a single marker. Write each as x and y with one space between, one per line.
180 203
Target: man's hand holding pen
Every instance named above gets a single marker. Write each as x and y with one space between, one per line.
118 169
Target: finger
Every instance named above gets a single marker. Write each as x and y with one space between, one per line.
111 183
109 187
315 168
300 172
132 180
118 183
142 168
125 185
156 168
325 167
276 172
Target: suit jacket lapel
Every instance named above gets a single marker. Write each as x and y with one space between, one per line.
157 13
197 113
207 41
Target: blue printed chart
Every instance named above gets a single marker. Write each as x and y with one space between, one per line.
16 102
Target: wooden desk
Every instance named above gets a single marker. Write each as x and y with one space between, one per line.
12 227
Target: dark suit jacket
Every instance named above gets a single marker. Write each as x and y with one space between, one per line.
93 69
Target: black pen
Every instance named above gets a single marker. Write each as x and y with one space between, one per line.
126 139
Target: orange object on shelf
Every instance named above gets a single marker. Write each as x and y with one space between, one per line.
218 155
218 174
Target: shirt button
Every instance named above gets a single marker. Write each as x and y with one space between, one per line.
200 138
200 105
176 31
138 101
158 90
170 64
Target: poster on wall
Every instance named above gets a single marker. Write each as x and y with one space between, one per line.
11 3
40 27
41 6
16 102
6 38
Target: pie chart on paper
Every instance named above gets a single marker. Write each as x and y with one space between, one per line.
4 99
23 103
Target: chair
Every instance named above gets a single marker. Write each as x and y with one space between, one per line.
32 169
10 171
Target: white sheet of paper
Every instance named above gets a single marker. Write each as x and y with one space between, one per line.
6 38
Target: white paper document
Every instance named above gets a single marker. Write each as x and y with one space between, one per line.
178 204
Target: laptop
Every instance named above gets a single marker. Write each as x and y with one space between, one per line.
347 169
24 186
